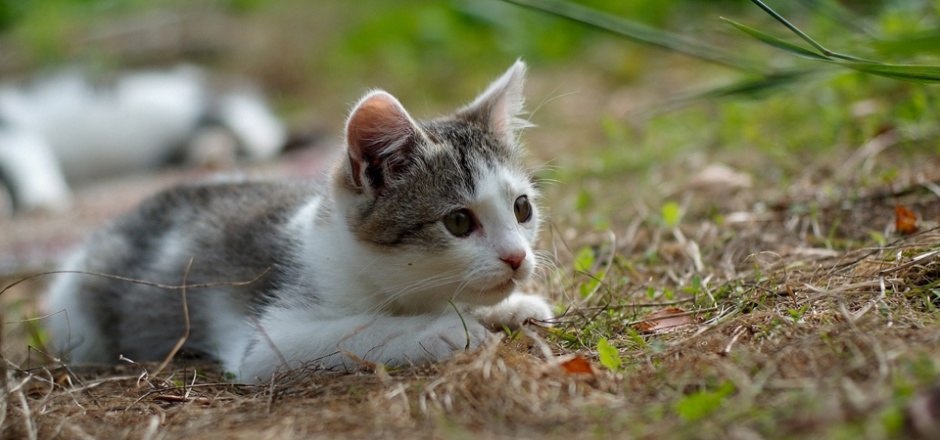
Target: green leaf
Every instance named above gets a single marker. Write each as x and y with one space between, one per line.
38 337
610 356
697 405
671 214
783 45
584 260
797 314
588 287
903 72
564 335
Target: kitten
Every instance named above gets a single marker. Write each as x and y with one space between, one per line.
68 127
424 227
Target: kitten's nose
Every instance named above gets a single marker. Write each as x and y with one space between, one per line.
514 260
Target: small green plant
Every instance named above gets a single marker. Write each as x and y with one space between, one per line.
796 315
696 287
699 404
609 355
671 214
584 260
634 336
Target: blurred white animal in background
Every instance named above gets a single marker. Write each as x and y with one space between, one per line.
69 128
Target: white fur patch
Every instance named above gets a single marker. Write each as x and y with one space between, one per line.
514 311
36 180
246 114
348 342
69 129
132 125
71 327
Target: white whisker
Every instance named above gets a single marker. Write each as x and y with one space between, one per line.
394 293
551 97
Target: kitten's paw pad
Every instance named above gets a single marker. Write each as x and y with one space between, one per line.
449 337
514 311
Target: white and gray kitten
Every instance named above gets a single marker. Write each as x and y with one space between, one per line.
424 227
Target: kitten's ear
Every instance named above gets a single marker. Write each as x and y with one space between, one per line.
500 106
380 136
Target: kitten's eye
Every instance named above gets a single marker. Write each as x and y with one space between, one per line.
523 209
460 222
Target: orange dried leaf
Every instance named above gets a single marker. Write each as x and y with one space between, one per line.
576 365
905 221
664 321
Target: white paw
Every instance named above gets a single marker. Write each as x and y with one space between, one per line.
514 311
447 336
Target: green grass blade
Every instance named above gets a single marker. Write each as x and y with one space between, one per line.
826 52
746 88
902 72
793 28
638 32
757 87
783 45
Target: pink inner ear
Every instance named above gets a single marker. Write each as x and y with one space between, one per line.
379 131
376 123
376 118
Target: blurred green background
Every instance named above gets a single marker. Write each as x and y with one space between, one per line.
607 105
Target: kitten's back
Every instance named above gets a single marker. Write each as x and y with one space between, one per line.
229 231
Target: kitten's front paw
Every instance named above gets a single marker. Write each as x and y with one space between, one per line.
514 311
447 337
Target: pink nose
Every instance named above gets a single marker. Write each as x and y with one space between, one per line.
514 260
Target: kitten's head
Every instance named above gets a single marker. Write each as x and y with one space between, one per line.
445 207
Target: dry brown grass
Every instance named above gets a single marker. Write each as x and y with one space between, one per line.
812 340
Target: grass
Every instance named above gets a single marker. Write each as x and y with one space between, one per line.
767 219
